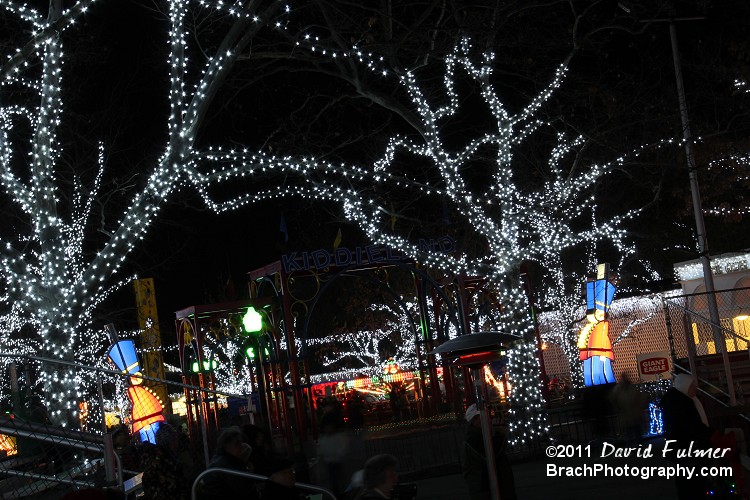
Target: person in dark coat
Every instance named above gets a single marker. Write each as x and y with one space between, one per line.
356 408
259 457
474 464
231 453
333 446
629 404
280 482
685 421
127 450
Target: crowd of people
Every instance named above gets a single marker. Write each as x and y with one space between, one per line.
169 470
170 467
396 403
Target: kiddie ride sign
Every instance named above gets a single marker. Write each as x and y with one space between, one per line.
342 257
654 366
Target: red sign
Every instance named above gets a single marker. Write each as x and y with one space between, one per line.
654 365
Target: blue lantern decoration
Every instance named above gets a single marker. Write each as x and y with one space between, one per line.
122 354
599 295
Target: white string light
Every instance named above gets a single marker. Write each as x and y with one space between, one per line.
51 286
50 283
517 224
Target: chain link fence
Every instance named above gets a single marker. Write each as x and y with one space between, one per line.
717 352
690 324
46 460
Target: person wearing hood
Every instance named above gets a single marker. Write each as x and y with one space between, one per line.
685 422
234 454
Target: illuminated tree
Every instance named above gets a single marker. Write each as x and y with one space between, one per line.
565 311
483 182
65 259
62 258
364 352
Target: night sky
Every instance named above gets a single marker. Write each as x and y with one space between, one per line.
191 253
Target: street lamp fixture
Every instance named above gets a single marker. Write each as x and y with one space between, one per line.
252 321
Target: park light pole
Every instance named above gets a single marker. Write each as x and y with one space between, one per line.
254 329
700 227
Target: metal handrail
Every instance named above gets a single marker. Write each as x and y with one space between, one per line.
69 478
43 477
250 475
706 393
51 439
11 424
690 344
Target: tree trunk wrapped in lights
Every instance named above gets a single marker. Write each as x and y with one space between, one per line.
51 279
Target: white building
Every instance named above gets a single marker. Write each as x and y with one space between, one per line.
638 324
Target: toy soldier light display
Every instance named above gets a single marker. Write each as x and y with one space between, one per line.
147 411
593 342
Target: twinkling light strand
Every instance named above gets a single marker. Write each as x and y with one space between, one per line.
368 348
51 284
517 224
719 265
46 32
737 168
528 422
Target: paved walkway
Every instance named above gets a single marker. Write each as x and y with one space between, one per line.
605 477
534 483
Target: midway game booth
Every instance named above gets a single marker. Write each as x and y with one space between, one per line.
279 349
